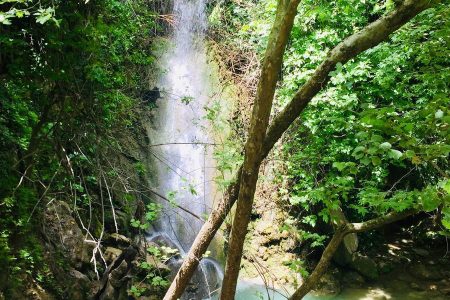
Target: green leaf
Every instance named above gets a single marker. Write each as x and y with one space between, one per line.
339 165
409 153
376 161
446 217
430 203
385 146
439 114
395 154
445 186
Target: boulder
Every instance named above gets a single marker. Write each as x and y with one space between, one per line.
352 279
365 266
63 232
421 252
426 272
385 266
111 254
344 254
116 277
349 245
78 285
329 283
109 293
119 239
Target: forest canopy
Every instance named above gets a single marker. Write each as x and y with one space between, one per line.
346 100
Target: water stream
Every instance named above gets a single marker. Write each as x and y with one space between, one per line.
184 164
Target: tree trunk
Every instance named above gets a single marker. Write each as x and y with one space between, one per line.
370 36
322 266
202 241
279 35
341 231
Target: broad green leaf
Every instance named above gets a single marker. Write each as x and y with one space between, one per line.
385 146
395 154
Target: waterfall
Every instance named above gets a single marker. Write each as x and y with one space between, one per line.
183 158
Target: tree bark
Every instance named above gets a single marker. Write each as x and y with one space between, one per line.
346 50
284 20
341 231
202 240
322 266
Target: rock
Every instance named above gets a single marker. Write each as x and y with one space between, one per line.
385 267
352 279
349 245
265 227
364 266
377 294
157 264
423 272
36 292
329 283
117 240
111 254
416 287
78 285
445 290
109 293
421 252
63 232
116 277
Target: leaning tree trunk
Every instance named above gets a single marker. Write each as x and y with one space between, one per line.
341 231
370 36
286 11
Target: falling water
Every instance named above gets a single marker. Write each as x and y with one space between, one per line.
184 163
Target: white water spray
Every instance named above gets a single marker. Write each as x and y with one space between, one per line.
184 164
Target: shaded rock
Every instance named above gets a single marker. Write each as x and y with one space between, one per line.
421 252
109 293
111 254
422 271
416 286
78 285
445 290
117 240
352 279
385 266
36 292
329 283
364 266
62 231
116 277
348 247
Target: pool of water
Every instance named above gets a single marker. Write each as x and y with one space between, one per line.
254 291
